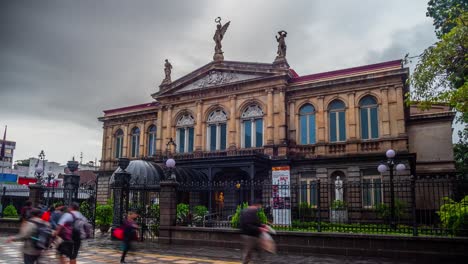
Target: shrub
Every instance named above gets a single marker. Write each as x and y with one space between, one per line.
182 213
235 221
104 215
454 216
10 211
154 212
199 212
383 210
338 205
306 210
85 209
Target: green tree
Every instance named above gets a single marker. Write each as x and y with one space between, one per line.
460 151
440 74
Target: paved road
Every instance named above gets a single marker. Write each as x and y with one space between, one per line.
104 251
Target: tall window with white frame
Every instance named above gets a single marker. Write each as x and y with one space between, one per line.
151 140
119 143
369 118
135 136
371 191
336 113
252 127
307 124
216 130
309 192
185 133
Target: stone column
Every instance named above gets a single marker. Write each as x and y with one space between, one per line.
159 133
269 139
232 123
400 111
292 121
36 194
71 182
169 123
199 127
384 113
282 122
168 210
321 120
120 189
351 113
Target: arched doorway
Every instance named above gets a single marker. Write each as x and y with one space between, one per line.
231 187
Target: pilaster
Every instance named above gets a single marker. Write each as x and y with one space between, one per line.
199 126
232 122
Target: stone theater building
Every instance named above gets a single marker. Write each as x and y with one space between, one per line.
233 121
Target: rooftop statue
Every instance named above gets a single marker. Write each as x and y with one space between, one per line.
218 37
167 72
281 53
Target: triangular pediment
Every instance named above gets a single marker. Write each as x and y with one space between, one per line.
216 74
217 78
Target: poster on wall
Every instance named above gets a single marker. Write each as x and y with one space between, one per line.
281 195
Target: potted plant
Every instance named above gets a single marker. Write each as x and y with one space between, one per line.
104 215
199 213
338 212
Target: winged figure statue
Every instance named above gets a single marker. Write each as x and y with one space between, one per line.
219 34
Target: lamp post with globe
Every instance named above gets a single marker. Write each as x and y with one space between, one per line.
389 165
50 177
170 162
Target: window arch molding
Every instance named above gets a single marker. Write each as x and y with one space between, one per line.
216 107
307 123
337 120
151 137
377 98
216 129
117 142
246 104
185 131
335 98
252 128
368 117
135 137
181 114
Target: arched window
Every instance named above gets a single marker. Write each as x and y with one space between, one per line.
152 140
369 118
119 143
184 133
252 127
135 142
337 121
307 124
216 130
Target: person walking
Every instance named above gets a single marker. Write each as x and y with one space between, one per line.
71 244
29 228
25 212
47 214
251 228
129 230
55 216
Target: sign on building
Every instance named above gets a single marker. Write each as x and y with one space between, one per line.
281 195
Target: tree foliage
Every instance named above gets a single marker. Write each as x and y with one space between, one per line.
454 215
460 151
444 12
440 74
10 211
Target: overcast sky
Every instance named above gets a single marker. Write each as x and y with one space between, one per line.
63 62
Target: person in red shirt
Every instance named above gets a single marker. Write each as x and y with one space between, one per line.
46 215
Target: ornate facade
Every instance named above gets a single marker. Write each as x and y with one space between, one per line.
236 120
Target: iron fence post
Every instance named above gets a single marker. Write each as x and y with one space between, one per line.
413 205
2 201
319 207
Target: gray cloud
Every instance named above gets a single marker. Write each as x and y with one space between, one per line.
64 62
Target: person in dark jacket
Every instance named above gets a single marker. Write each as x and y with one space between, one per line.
130 234
251 228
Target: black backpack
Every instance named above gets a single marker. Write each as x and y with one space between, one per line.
42 238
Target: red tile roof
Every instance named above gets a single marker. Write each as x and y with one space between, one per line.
130 108
348 72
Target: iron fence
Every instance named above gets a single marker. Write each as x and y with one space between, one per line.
426 206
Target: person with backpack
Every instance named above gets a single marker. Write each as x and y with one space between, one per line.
47 214
37 236
55 216
70 228
129 234
251 229
25 212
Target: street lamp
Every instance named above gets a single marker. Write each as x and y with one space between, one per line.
50 176
39 170
170 162
390 165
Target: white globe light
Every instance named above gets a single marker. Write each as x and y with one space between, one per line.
382 168
39 170
400 167
390 153
170 163
49 173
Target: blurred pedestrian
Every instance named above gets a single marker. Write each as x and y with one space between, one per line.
47 214
29 229
251 228
71 243
55 216
25 212
129 230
